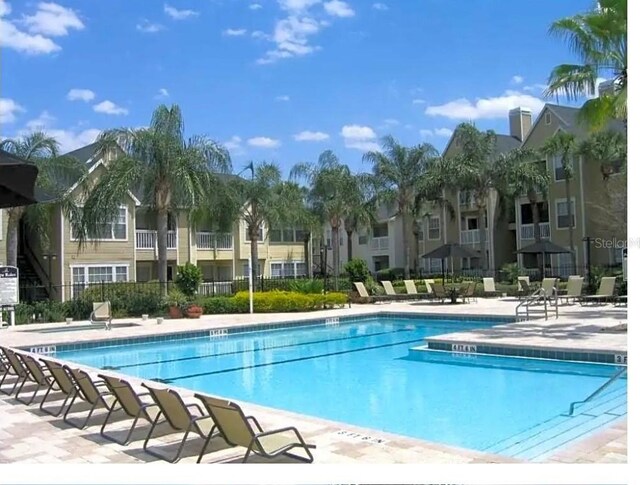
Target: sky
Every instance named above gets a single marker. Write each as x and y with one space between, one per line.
277 80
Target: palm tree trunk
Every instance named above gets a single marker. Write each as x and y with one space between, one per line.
307 259
349 245
15 214
407 227
254 258
482 232
535 212
335 243
162 221
567 187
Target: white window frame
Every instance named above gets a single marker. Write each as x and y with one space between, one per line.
573 213
434 268
281 232
282 263
245 269
112 239
85 283
429 238
360 239
246 233
554 168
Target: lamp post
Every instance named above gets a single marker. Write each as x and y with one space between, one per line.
49 257
588 240
251 269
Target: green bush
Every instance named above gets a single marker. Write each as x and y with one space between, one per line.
40 312
127 299
307 286
221 304
188 279
357 270
390 274
510 272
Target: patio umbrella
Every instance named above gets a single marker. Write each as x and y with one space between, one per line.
17 181
543 247
449 250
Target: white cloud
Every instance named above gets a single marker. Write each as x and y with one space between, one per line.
338 8
52 20
535 87
109 108
41 122
263 142
379 6
259 34
149 27
598 81
297 5
234 32
234 144
69 139
255 6
486 108
176 14
5 8
284 97
443 132
391 122
162 93
310 136
8 110
426 133
359 137
517 79
418 101
85 95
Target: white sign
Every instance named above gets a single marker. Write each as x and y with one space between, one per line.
620 359
464 348
221 332
9 285
46 350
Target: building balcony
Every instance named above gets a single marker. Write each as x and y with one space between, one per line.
470 237
379 243
211 240
526 231
147 239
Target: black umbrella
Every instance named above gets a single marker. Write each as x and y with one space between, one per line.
450 250
543 247
17 181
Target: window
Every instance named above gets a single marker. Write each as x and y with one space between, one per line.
420 235
558 170
288 234
466 198
565 263
247 238
108 231
547 118
562 214
434 265
301 269
328 233
381 230
363 239
245 269
82 276
288 269
433 231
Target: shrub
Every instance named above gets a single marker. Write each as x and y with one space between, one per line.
357 270
390 274
307 286
222 304
287 301
127 299
510 272
188 279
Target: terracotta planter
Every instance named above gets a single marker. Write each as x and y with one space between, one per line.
193 311
175 312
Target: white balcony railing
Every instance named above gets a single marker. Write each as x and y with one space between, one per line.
471 236
526 231
466 199
147 239
211 240
380 243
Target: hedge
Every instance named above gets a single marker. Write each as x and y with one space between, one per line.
275 301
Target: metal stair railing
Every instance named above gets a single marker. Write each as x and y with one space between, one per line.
535 297
611 380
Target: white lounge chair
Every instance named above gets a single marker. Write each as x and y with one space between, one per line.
101 314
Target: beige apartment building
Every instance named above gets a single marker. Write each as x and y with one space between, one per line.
127 250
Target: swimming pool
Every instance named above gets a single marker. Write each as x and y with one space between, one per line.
364 374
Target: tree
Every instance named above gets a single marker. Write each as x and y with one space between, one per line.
361 212
55 175
170 171
565 146
333 192
396 170
599 40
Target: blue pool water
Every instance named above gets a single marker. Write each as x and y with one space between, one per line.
362 374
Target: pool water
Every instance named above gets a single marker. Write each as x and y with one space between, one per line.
364 374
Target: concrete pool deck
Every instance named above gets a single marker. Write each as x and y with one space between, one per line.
32 436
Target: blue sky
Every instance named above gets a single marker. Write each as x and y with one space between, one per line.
276 80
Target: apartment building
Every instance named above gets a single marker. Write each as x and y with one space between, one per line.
127 248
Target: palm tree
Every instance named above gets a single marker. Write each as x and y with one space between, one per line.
599 39
170 171
396 170
333 192
361 213
55 175
565 146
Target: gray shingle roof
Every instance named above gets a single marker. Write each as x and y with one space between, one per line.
569 115
84 154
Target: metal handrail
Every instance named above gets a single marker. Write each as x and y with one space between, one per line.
535 297
613 378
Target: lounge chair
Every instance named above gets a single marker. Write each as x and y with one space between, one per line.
429 284
89 391
604 293
5 368
178 415
621 300
101 314
489 286
550 288
130 402
412 290
391 292
37 375
364 294
61 381
524 286
16 368
574 289
439 292
240 430
468 292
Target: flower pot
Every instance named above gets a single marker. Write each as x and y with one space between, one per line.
193 311
175 312
68 320
145 316
159 320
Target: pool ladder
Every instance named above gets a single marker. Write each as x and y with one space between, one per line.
522 310
613 378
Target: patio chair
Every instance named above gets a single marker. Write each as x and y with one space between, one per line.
364 294
89 391
101 314
61 381
468 292
621 300
439 292
489 286
550 288
130 402
604 293
429 284
177 414
574 289
237 429
412 290
391 292
37 376
14 367
524 286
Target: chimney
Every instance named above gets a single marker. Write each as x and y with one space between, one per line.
606 88
519 122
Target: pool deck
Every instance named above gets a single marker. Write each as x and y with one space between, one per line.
33 436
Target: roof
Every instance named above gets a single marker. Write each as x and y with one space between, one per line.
505 143
84 154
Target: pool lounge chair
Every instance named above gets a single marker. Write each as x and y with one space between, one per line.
177 414
467 293
237 429
101 314
130 402
37 375
439 292
391 292
15 367
412 290
574 289
89 391
364 294
489 286
604 293
524 286
61 381
550 288
429 284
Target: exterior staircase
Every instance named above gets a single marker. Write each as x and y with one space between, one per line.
31 286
